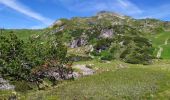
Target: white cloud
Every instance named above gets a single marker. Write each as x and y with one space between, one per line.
130 7
15 5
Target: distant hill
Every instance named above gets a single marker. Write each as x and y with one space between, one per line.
147 25
109 35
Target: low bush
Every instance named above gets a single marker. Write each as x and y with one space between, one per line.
106 55
22 86
18 59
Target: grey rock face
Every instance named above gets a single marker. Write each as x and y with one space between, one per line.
106 33
57 23
55 73
74 75
74 43
85 70
4 85
57 30
107 13
78 42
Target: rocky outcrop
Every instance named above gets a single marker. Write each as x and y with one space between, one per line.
84 70
107 33
57 30
55 73
103 14
4 85
57 23
78 42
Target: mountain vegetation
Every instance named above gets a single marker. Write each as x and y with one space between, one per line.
28 61
111 36
128 57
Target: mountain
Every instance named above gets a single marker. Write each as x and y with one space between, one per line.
109 35
109 45
147 25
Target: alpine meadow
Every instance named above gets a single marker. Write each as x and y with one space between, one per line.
87 50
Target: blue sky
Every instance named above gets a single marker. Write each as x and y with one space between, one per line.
42 13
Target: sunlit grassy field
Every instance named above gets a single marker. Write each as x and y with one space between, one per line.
130 83
112 82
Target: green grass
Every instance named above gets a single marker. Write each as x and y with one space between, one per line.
166 52
130 83
113 80
122 84
134 82
101 66
24 34
159 40
5 94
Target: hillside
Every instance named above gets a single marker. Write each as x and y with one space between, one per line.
108 56
110 36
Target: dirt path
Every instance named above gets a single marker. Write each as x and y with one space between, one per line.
159 53
166 42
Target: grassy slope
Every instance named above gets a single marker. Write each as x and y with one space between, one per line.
113 80
24 34
133 82
130 83
159 40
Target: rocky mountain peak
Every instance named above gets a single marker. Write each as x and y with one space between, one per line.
108 13
56 23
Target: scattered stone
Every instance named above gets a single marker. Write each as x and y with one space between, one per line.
103 14
4 85
57 30
84 69
108 62
121 66
75 75
56 23
106 33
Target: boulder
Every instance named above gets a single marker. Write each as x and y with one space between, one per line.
78 42
106 33
56 23
85 69
4 85
57 30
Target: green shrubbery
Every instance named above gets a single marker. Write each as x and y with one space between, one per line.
159 30
21 60
127 42
22 86
130 47
12 57
106 55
